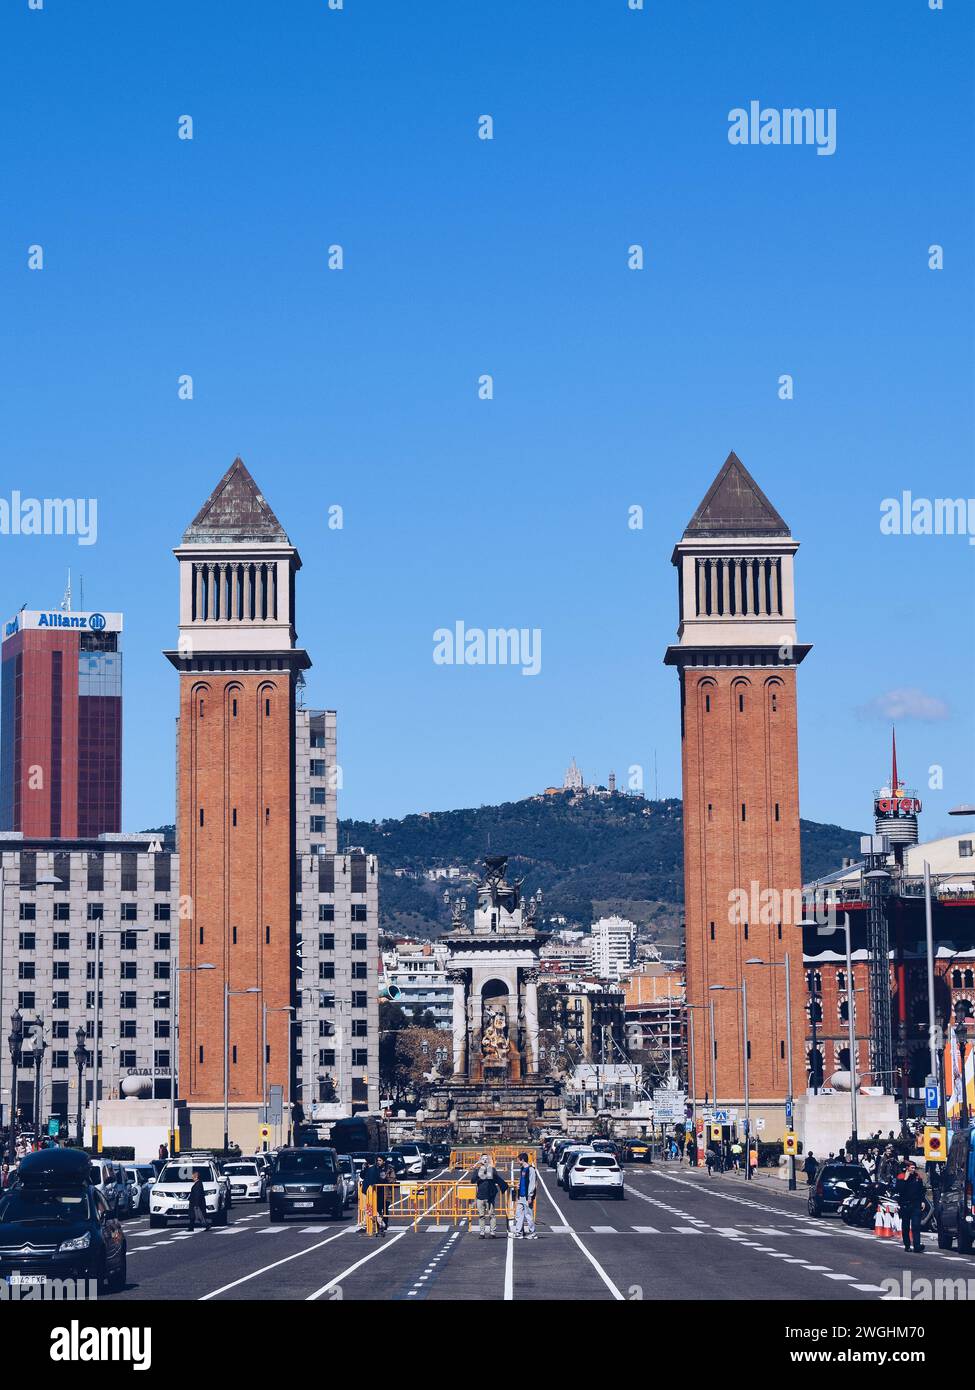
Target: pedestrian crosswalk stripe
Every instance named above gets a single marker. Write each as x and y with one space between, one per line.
845 1277
313 1230
820 1269
689 1230
870 1288
603 1230
646 1230
270 1230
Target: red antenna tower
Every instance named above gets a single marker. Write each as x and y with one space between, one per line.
893 775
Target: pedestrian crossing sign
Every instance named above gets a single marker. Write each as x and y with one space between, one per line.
790 1143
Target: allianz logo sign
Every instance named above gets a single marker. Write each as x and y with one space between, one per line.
91 622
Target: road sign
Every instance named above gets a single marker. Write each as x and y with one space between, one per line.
265 1133
275 1104
932 1098
790 1143
788 1110
715 1131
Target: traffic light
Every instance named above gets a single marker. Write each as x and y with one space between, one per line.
790 1144
935 1144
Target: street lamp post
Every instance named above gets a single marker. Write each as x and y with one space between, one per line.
282 1009
790 1100
40 1046
15 1041
81 1059
744 1061
961 1035
41 881
227 992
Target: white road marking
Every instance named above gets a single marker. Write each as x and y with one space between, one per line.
387 1244
589 1256
265 1268
509 1272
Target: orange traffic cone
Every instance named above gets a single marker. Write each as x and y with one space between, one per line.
880 1227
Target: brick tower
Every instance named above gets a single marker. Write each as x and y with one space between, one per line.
238 664
736 655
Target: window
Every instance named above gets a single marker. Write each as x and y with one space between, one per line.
160 970
360 942
129 912
160 999
128 941
360 1028
326 1057
62 912
325 1028
316 767
707 704
28 912
326 941
61 970
318 826
25 999
28 941
233 816
161 941
127 1028
160 1028
26 970
360 1057
161 873
60 1000
129 970
743 810
359 913
161 1057
746 931
96 912
741 702
360 970
129 872
712 930
776 810
161 912
61 941
128 999
127 1058
965 849
360 999
317 796
326 912
59 1060
326 970
96 873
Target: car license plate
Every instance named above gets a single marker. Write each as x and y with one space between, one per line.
303 1204
239 1191
26 1279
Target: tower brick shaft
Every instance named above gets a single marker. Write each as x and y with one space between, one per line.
737 656
238 663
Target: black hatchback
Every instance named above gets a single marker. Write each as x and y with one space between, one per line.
834 1183
55 1225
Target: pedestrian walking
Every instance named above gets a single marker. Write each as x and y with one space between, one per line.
809 1168
489 1183
4 1175
524 1228
198 1203
736 1156
909 1191
372 1176
711 1160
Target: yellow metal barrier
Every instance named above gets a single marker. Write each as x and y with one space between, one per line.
412 1202
499 1154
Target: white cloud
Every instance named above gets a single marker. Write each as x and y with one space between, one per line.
907 702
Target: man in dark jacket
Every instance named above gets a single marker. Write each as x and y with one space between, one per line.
809 1168
909 1191
198 1203
489 1183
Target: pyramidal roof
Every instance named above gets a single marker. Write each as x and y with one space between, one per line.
735 505
235 511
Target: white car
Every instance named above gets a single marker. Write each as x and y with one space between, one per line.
596 1174
563 1164
142 1179
170 1195
247 1181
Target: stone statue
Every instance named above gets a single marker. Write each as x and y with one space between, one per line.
494 1042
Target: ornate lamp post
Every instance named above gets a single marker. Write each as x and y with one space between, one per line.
962 1015
81 1061
15 1041
40 1047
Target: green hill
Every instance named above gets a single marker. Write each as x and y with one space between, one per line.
589 855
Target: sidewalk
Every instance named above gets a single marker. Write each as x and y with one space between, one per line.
763 1179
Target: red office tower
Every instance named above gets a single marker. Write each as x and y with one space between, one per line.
61 771
238 664
737 655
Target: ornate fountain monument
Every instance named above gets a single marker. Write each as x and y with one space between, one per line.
499 1086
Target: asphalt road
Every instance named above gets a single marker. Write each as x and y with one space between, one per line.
678 1234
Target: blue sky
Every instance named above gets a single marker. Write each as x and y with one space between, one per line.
462 256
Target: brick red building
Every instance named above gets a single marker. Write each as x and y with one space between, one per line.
736 655
61 736
238 663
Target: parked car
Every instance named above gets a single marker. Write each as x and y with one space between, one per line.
142 1178
956 1206
112 1183
170 1196
595 1174
348 1169
441 1154
247 1181
56 1224
306 1181
834 1183
555 1152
